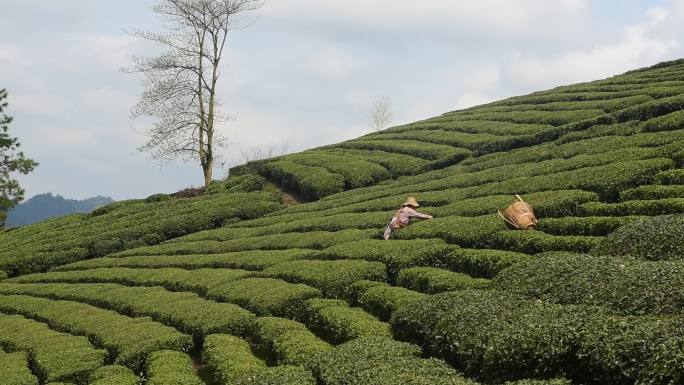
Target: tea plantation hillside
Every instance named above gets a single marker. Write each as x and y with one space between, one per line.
310 295
123 225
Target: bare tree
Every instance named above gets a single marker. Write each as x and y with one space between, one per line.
262 152
382 114
181 84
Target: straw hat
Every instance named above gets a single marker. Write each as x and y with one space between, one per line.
411 201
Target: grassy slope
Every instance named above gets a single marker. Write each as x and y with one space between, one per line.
592 158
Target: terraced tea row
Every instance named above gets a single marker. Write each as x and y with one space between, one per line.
120 226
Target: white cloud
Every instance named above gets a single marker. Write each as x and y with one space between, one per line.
332 63
489 17
8 52
638 47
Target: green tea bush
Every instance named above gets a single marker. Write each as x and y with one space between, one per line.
602 130
333 278
432 280
668 122
606 105
671 177
653 192
554 118
450 138
331 223
473 127
114 375
533 242
230 359
651 109
265 296
554 381
655 239
651 207
396 254
158 198
641 350
185 311
490 335
356 172
287 342
624 285
396 164
383 300
546 204
482 263
247 260
238 184
429 151
464 231
59 241
14 369
310 240
168 367
308 182
336 322
55 356
200 280
127 339
378 360
281 375
586 226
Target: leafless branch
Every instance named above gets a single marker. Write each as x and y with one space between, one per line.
180 85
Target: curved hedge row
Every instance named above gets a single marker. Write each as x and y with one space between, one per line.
266 296
54 356
230 361
168 367
383 300
14 369
185 311
356 172
653 192
127 339
308 182
114 375
377 360
639 207
491 335
120 226
432 280
587 226
287 342
333 278
247 260
397 254
624 285
173 279
657 238
336 322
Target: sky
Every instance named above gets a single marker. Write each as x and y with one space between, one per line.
301 75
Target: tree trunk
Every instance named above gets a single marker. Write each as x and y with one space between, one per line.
208 169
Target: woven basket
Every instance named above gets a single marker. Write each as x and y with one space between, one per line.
519 216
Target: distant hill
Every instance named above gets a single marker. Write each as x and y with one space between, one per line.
45 206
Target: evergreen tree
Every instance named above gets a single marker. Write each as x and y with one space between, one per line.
11 160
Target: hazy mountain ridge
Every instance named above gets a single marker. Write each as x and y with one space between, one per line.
44 206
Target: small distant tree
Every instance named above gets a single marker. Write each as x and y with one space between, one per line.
181 84
262 152
11 160
381 114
